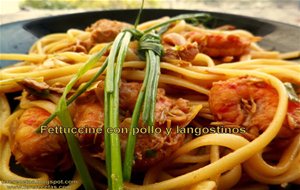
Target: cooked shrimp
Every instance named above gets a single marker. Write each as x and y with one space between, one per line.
250 102
220 45
186 45
41 152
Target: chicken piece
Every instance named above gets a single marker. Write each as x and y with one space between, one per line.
105 30
89 114
79 46
181 54
165 107
150 148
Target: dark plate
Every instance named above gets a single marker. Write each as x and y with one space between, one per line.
19 36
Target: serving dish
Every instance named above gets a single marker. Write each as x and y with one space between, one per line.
19 36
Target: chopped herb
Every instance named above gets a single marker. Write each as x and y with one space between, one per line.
150 153
291 92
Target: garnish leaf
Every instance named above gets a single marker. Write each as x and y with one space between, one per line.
93 60
150 153
291 92
66 120
201 17
112 141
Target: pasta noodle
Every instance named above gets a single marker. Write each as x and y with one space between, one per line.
196 64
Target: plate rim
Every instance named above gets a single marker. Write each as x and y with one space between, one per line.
147 9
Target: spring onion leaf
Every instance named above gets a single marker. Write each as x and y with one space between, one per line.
111 109
107 146
202 17
151 49
115 142
129 152
150 153
109 79
137 20
150 45
91 62
150 95
291 92
66 120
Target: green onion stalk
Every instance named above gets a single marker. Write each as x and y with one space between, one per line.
196 18
111 109
66 120
151 48
109 83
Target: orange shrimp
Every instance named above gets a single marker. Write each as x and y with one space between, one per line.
251 103
220 45
40 152
186 45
